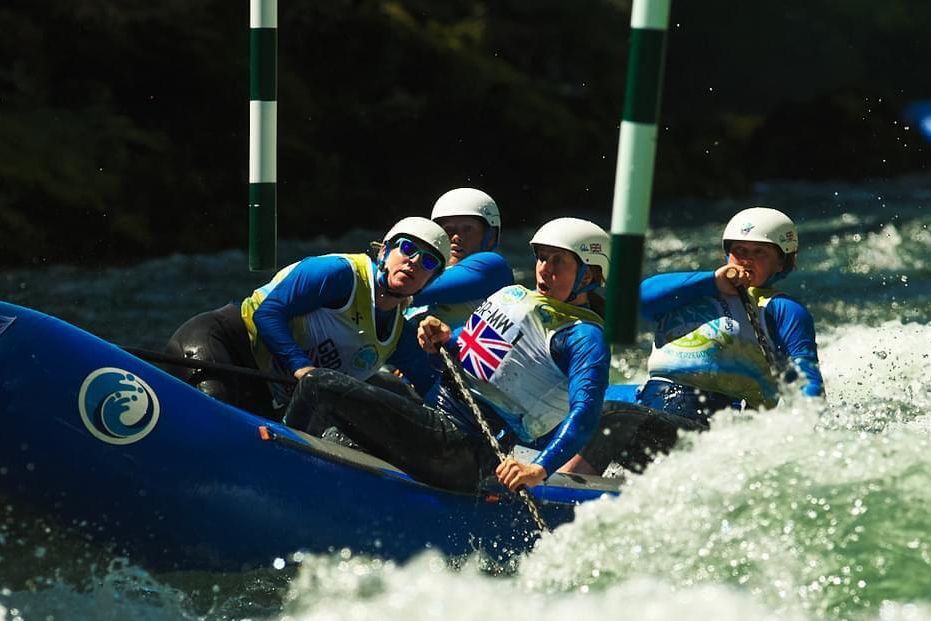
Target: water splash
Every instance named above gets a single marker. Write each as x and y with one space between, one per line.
427 588
878 374
123 591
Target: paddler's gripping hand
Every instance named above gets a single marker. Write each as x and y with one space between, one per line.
431 333
729 277
302 372
515 475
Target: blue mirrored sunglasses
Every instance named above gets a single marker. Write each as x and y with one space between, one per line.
428 260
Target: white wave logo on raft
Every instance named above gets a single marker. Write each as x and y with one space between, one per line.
116 406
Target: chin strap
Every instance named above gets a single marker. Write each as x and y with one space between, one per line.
381 273
486 244
788 269
577 288
381 276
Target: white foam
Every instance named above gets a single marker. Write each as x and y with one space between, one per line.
882 367
427 588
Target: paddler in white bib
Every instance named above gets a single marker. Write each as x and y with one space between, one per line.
340 312
536 359
706 354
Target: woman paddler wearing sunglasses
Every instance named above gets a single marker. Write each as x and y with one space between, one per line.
339 311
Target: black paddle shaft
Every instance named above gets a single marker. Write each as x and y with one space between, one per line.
194 363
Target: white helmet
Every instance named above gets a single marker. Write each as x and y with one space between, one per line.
762 224
427 231
586 240
468 202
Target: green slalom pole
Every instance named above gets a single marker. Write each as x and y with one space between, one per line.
263 133
636 155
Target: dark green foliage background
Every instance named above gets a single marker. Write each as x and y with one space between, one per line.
124 123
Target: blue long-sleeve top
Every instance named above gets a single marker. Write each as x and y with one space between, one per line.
473 278
788 322
581 353
327 282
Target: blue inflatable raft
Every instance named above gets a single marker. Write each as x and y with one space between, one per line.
94 435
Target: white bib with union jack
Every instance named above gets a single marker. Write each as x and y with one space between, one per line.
506 344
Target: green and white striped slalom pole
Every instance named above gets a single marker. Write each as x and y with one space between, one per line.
636 155
263 130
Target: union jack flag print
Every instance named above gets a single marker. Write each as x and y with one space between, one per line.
481 349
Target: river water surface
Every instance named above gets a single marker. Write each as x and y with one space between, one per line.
805 512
